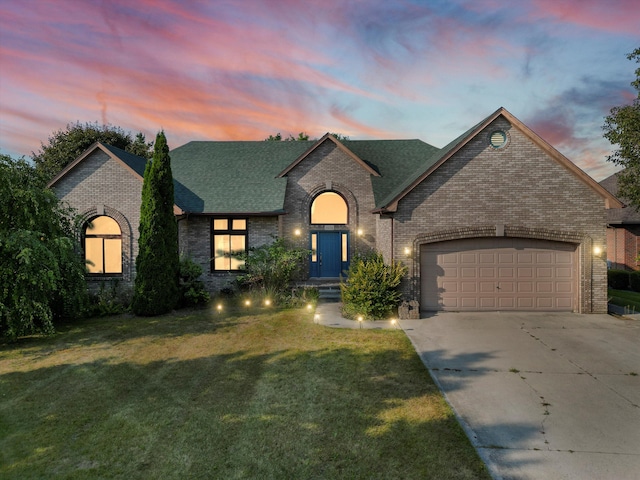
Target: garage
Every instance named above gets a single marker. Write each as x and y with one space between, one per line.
498 273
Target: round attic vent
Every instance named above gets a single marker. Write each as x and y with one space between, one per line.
498 139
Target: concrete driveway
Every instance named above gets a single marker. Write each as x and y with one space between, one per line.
542 396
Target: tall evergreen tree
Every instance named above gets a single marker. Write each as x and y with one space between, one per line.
157 264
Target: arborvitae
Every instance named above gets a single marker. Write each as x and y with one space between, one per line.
158 261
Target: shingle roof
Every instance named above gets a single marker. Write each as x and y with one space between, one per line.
241 177
233 177
134 162
395 160
626 215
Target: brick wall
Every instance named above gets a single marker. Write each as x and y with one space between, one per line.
329 169
623 247
195 242
517 190
100 185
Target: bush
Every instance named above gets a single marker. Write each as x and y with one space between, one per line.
111 300
371 289
192 289
270 268
634 281
618 279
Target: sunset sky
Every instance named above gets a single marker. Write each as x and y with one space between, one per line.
369 69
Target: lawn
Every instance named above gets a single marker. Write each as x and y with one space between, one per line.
625 298
198 394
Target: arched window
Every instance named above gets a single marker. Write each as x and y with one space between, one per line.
103 246
329 208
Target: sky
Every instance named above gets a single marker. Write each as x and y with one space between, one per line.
368 69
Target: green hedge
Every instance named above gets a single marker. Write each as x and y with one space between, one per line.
634 281
618 279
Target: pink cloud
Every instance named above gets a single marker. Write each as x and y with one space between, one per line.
617 16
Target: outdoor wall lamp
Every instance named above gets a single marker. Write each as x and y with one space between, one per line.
360 232
407 251
598 251
297 232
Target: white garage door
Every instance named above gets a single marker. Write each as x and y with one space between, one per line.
498 273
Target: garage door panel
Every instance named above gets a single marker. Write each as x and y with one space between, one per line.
468 272
563 272
487 272
525 287
504 272
499 274
506 287
469 303
449 287
469 287
487 259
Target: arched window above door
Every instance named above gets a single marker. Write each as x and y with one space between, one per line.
103 246
329 208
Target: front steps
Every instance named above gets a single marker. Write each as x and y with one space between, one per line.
328 288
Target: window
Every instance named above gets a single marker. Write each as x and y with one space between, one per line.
229 237
103 246
329 208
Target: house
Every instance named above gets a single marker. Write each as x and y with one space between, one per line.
496 220
623 231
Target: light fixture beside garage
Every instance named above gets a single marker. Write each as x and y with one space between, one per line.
597 251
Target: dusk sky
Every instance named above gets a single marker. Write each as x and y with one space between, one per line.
369 69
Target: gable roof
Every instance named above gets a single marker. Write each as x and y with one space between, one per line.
330 138
619 216
250 177
390 202
235 177
133 163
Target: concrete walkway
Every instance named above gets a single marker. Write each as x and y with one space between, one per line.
540 395
329 315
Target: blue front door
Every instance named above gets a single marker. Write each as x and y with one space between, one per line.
329 257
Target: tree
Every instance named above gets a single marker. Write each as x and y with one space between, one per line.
622 128
41 273
64 146
302 136
156 288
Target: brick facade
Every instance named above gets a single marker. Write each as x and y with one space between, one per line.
515 191
623 247
100 185
195 242
520 190
330 169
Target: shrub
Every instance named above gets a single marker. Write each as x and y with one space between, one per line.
111 300
634 281
618 279
270 268
371 289
192 289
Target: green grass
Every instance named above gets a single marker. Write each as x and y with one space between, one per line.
197 394
624 298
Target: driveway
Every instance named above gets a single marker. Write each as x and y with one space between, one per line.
541 395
